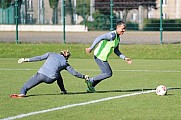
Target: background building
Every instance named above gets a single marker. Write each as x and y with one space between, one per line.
171 10
95 14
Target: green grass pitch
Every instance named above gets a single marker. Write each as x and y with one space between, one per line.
126 79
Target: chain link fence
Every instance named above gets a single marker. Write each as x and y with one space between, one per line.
94 15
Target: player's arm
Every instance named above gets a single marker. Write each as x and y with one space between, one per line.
122 56
75 73
118 53
33 59
106 36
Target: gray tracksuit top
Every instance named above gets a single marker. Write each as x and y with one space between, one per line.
54 64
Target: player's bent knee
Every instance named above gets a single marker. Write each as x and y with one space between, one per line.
109 74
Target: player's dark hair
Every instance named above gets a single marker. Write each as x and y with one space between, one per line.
120 22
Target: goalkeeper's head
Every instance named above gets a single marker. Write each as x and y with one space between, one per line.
65 53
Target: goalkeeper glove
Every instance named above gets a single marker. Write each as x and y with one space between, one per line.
86 77
21 60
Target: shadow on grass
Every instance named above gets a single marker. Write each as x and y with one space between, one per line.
72 93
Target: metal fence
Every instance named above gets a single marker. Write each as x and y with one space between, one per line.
96 14
139 15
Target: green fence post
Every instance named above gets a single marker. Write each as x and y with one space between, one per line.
63 5
84 12
111 14
161 22
16 19
2 16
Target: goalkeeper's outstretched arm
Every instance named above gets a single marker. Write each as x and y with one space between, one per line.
33 59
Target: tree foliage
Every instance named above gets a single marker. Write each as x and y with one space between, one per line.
5 4
83 7
53 3
69 9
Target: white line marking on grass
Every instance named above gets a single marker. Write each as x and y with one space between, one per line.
163 71
74 105
13 69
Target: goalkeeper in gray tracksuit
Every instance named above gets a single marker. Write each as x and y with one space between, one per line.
49 72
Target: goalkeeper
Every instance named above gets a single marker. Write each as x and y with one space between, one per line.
49 72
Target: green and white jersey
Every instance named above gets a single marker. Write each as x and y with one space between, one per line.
107 46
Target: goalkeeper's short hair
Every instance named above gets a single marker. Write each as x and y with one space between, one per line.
65 53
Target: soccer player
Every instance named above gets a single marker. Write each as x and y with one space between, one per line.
49 72
107 43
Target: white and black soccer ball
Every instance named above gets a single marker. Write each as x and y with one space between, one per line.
161 90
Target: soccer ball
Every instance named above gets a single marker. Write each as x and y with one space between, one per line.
161 90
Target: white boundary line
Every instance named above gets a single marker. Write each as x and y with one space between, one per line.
169 71
77 104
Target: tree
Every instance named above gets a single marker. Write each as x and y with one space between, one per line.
5 4
69 9
82 8
54 5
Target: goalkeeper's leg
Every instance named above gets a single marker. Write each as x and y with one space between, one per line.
32 82
61 85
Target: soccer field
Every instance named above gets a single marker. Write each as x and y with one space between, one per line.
127 95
